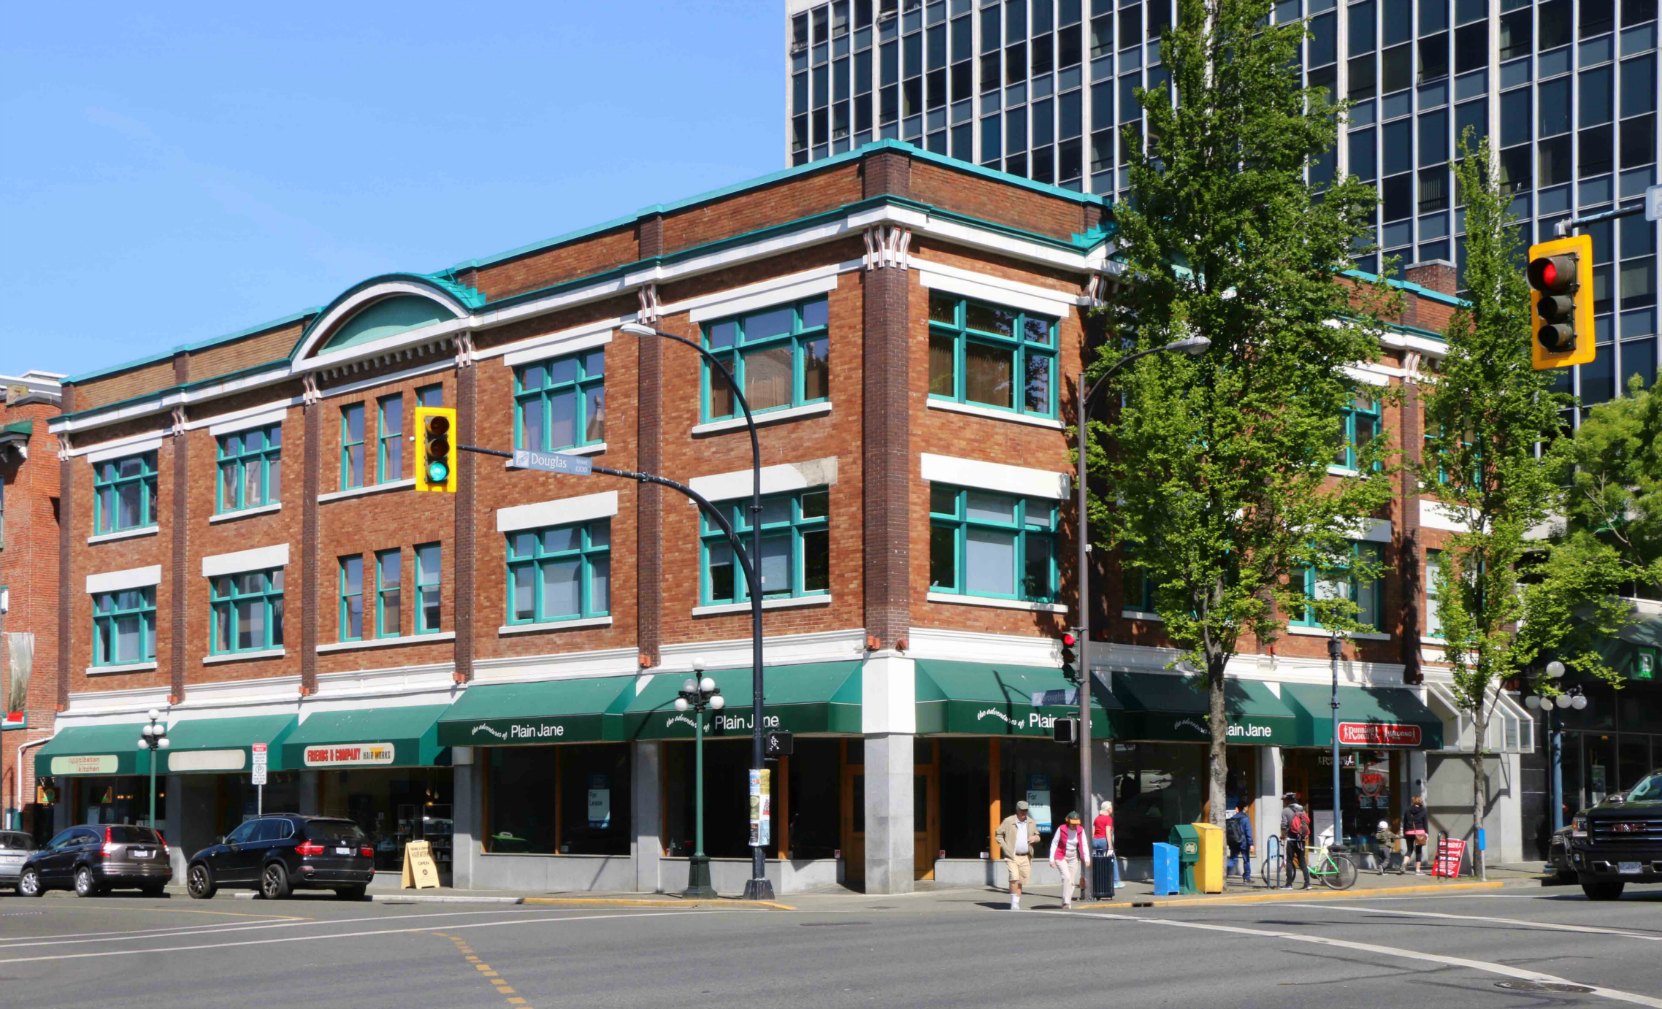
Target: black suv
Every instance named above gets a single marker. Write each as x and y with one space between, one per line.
282 852
98 857
1619 841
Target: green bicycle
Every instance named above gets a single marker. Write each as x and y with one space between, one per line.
1335 869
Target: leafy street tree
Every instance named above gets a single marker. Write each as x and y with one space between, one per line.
1507 598
1218 464
1614 472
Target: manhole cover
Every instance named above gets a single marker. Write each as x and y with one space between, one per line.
1543 986
831 924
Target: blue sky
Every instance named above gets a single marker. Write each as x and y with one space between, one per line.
176 171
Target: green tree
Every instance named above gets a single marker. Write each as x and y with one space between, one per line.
1507 598
1613 467
1218 464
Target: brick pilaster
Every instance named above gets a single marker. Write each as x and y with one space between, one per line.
178 537
308 568
649 508
1409 556
67 530
467 467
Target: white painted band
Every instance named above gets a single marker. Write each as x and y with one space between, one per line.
781 479
131 578
124 448
257 559
265 418
985 287
765 294
995 476
559 512
566 341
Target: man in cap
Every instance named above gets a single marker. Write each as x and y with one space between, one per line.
1018 838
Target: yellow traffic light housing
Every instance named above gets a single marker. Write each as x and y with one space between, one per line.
1560 277
435 456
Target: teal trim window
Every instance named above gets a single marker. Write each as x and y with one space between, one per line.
389 595
560 573
1344 583
561 403
985 355
982 543
1434 448
389 438
352 598
250 474
796 549
779 356
124 494
1433 613
428 582
124 627
247 611
351 446
1360 425
430 395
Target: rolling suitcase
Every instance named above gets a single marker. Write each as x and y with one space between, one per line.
1102 877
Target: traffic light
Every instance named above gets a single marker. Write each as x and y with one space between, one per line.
1070 656
435 457
1065 730
1561 302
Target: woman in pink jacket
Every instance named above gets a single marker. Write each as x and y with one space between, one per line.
1070 851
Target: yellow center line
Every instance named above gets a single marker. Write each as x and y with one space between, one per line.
484 970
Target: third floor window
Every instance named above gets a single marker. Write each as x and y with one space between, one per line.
124 494
561 403
249 474
780 358
986 355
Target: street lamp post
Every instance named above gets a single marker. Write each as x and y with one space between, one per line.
1572 698
153 737
758 887
695 696
1334 649
1192 345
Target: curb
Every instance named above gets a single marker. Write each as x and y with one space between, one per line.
407 898
730 904
1305 895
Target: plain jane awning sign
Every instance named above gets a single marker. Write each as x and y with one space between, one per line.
1378 734
349 755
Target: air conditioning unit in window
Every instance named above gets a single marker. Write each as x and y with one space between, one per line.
798 47
888 15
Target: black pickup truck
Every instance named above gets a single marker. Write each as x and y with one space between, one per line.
1619 841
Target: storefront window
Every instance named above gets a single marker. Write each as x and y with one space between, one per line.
569 800
393 807
1156 787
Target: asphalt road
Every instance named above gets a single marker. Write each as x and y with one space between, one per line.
962 949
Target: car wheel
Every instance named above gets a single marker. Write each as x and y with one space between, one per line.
85 884
351 892
1607 889
274 882
199 882
28 884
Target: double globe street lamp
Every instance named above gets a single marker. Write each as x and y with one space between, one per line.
153 737
697 695
1571 698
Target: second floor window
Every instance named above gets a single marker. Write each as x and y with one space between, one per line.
983 543
389 595
124 627
352 598
351 446
561 403
429 601
985 355
247 612
1359 428
389 433
779 356
124 494
796 548
1355 580
560 573
249 470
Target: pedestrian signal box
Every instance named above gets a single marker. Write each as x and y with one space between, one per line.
1560 275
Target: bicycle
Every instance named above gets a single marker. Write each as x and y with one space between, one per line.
1335 870
1272 863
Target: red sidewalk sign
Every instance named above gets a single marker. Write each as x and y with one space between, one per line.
1451 851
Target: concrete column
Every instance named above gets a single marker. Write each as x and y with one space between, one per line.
465 806
309 781
889 841
1268 807
646 816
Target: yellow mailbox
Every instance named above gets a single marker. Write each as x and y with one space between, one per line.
1210 863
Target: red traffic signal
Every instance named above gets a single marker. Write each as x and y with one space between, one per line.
1070 655
1561 302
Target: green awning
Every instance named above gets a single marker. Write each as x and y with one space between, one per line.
1168 706
995 699
224 745
814 697
1372 717
580 710
92 749
367 737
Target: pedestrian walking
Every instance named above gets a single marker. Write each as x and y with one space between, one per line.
1414 831
1385 839
1070 853
1018 838
1237 831
1295 833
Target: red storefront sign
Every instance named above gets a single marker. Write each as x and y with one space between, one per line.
1378 734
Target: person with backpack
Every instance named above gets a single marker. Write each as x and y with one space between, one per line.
1237 833
1295 833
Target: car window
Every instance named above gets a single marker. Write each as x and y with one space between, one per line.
243 833
16 842
86 835
272 829
334 832
122 833
62 838
1647 790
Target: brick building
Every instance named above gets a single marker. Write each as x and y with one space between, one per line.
496 669
29 564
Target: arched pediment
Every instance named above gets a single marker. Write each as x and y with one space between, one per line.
379 312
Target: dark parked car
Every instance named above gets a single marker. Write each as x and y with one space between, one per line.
1559 866
1619 841
99 857
282 852
15 847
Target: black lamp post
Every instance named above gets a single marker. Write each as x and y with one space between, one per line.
153 737
1571 698
695 696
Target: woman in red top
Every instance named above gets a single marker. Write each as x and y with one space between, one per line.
1102 830
1070 855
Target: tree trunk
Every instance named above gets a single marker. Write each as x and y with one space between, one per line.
1480 788
1218 720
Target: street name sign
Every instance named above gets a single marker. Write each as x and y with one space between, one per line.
552 462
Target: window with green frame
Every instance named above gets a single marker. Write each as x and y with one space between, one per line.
779 356
389 595
124 493
247 611
351 446
124 627
1434 446
560 573
983 543
428 582
1344 583
352 598
389 438
796 548
250 474
986 355
1360 425
430 395
561 402
1433 614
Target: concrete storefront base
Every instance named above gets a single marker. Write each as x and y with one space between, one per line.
729 875
557 873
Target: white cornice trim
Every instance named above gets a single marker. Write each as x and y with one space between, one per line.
125 447
244 420
781 479
986 287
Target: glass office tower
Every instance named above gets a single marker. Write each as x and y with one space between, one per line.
1042 88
